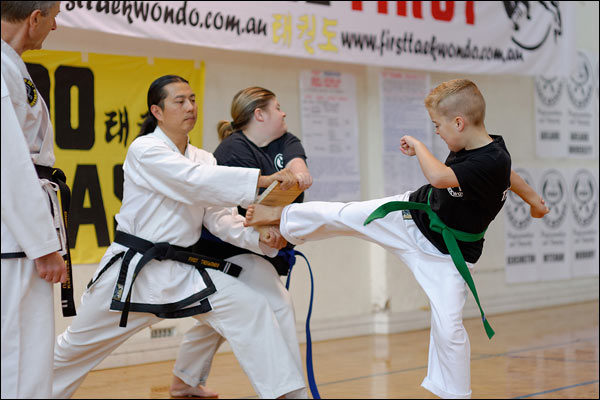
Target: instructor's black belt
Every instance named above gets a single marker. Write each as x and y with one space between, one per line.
162 251
57 176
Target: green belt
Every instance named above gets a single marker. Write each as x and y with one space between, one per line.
450 237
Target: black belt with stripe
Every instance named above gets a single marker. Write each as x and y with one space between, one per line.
162 251
57 176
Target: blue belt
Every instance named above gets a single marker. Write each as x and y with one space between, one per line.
309 362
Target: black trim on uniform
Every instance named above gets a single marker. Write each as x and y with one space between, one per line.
57 176
107 266
201 308
13 255
162 251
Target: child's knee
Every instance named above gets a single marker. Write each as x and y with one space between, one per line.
450 334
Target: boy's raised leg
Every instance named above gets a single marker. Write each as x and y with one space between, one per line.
258 214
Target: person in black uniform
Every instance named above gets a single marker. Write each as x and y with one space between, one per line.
440 227
257 137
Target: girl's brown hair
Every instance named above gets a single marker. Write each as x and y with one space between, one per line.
242 109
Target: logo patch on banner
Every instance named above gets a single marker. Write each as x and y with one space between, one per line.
32 94
579 84
524 13
517 210
584 198
548 89
554 191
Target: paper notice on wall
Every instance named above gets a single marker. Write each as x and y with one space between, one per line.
564 112
550 111
330 134
403 113
522 234
580 111
555 227
562 245
583 207
596 106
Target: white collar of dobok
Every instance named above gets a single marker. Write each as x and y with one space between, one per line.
162 136
13 55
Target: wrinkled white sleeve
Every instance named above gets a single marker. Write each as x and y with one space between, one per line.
25 210
228 225
164 171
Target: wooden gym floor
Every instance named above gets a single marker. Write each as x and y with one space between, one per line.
539 354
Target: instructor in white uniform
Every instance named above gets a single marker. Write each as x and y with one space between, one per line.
256 137
31 248
170 190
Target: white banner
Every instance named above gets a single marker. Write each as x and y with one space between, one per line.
583 201
500 37
566 111
563 244
555 227
550 114
596 105
522 235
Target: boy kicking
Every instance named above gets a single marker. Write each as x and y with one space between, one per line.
440 227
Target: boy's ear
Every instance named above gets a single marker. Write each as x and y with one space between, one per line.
459 122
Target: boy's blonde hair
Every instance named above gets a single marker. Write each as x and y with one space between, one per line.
458 97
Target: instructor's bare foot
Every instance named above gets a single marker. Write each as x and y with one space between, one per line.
258 214
181 389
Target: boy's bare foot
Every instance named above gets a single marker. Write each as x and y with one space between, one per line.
181 389
258 214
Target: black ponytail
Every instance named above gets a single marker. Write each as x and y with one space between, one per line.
149 124
156 96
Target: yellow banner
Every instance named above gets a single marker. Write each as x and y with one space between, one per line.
97 103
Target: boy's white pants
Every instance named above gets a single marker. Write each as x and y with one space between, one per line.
448 374
27 331
201 342
239 314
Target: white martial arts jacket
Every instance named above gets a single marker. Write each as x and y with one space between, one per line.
167 197
26 225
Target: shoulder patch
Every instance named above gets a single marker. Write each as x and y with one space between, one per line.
32 94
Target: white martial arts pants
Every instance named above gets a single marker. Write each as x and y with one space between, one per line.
201 342
239 314
27 331
448 374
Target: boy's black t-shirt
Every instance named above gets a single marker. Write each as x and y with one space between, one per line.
484 178
237 150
